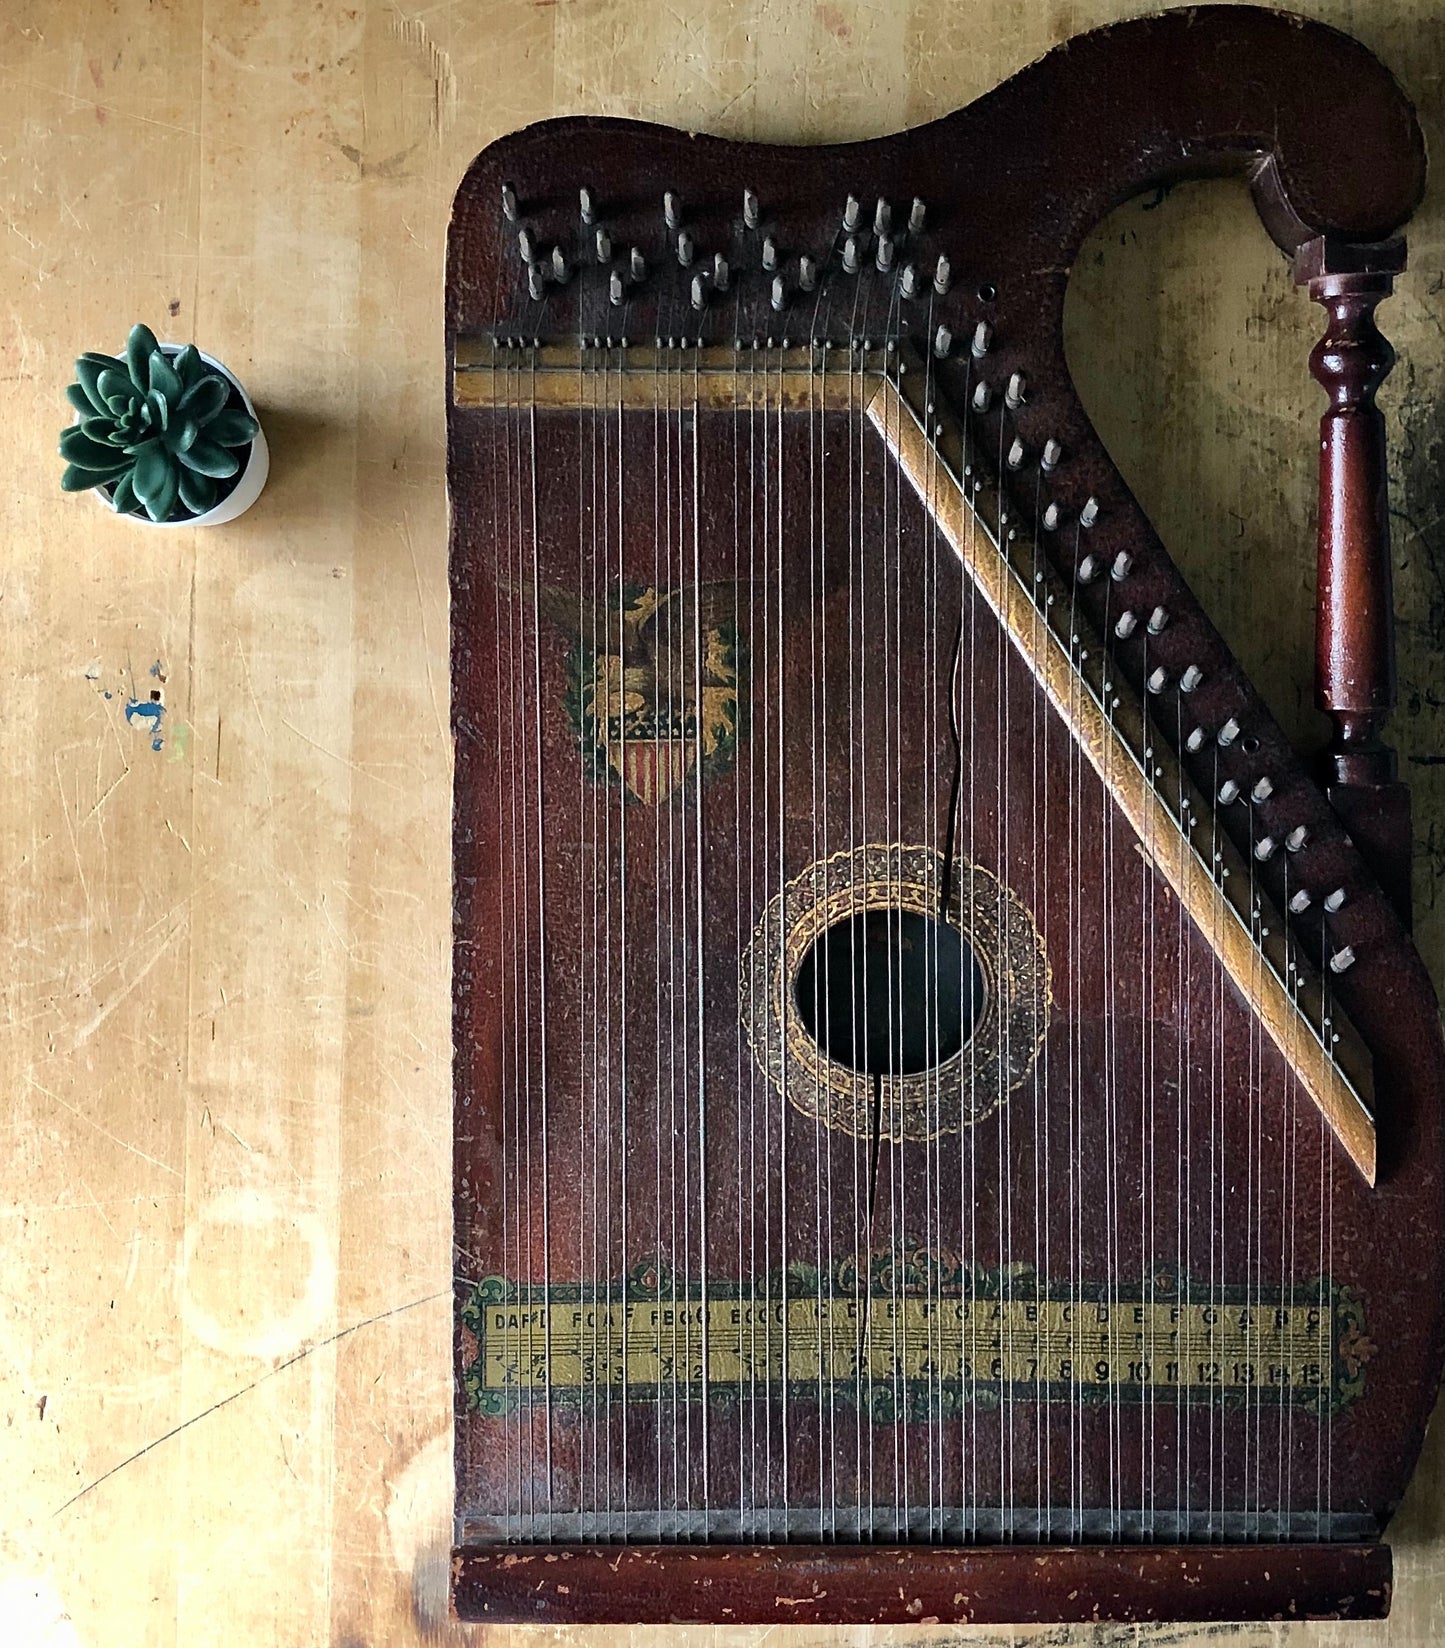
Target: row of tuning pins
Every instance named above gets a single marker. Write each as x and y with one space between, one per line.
884 244
552 267
1130 623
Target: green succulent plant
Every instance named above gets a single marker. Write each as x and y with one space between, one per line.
155 429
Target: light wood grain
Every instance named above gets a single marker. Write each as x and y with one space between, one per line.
224 1320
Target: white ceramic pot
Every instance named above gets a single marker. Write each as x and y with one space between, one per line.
248 484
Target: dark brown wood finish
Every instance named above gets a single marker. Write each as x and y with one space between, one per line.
821 1585
1355 666
1012 185
1355 663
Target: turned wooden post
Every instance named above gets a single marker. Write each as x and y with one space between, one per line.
1354 611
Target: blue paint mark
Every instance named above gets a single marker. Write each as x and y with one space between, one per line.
156 667
110 695
141 712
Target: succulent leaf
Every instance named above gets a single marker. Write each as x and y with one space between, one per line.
230 427
205 398
209 459
152 466
87 372
183 434
139 347
159 506
116 389
82 402
76 479
165 381
190 368
123 496
198 492
158 410
84 451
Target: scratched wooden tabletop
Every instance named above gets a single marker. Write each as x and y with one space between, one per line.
224 805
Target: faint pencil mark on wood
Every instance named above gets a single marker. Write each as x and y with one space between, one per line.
236 1395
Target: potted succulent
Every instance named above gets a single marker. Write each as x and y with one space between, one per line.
167 435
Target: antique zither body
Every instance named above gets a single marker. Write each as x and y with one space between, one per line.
948 1112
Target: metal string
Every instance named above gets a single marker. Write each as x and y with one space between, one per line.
510 1086
817 742
587 1265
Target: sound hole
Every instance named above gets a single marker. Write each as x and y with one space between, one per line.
889 992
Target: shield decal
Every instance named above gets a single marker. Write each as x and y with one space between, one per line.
655 684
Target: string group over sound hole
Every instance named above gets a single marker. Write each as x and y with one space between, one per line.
890 992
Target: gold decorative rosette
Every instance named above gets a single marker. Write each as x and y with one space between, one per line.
972 1083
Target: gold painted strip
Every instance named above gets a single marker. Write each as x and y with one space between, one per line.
642 377
976 544
1158 1345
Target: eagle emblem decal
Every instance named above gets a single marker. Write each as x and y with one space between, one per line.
655 683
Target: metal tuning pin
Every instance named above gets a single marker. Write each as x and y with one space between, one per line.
908 281
882 218
671 210
884 258
699 291
1296 838
942 342
917 213
614 289
852 215
526 246
807 274
1158 621
559 265
982 338
1157 681
1014 395
1126 625
1123 563
721 274
770 255
1335 900
1263 789
982 395
850 255
1342 959
1051 455
1051 518
684 248
1264 848
780 294
584 204
1228 792
536 285
602 244
1015 455
1088 569
1228 733
752 211
1192 675
637 265
1195 741
509 203
942 277
1300 902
